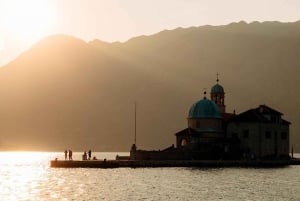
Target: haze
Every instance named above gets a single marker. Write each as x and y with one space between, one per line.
65 84
24 23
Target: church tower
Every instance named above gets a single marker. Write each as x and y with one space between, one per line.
217 95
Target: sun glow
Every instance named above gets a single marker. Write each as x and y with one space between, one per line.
1 44
27 20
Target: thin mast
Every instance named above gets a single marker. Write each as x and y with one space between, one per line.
135 123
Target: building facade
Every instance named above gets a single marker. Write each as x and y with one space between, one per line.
261 133
212 133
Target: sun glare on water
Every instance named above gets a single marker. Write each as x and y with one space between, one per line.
21 158
27 20
21 174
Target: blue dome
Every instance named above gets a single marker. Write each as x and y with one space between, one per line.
217 89
205 109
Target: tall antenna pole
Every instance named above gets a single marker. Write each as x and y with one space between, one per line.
135 123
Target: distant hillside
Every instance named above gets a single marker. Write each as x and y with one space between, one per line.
66 93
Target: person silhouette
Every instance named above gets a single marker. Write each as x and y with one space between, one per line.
84 156
66 154
70 154
90 154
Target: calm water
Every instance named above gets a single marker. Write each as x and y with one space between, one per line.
27 176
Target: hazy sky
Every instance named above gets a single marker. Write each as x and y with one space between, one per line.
25 22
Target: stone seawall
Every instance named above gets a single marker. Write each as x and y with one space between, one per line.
170 163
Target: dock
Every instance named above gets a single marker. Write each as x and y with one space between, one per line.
170 163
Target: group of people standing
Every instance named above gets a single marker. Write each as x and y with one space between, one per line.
70 153
85 156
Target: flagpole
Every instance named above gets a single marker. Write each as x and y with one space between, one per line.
135 123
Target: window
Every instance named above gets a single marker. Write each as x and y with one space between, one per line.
283 135
198 124
184 142
246 134
268 134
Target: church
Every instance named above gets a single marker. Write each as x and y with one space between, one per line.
214 134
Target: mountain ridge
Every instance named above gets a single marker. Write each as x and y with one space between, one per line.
67 93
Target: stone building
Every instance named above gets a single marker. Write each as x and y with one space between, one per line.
261 133
212 133
205 133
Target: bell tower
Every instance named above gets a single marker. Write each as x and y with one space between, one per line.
217 95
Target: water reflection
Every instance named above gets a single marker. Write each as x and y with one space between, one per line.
27 176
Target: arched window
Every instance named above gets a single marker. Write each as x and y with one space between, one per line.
184 142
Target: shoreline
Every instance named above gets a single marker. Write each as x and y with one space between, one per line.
170 163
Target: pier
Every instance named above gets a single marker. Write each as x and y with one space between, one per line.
170 163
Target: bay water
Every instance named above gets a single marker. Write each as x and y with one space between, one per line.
28 176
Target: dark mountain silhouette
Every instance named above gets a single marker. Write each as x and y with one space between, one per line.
66 93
